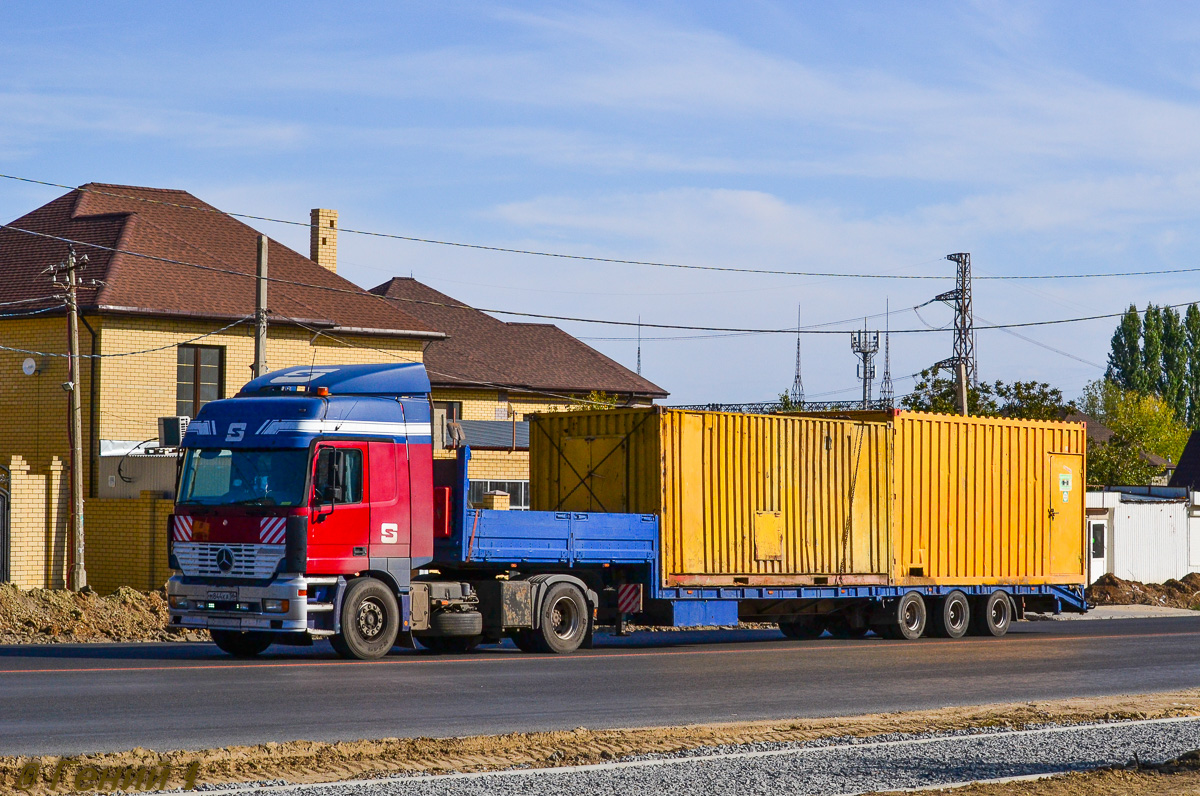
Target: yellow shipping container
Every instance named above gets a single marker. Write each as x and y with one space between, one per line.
902 498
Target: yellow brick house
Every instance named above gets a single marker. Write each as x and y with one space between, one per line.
165 328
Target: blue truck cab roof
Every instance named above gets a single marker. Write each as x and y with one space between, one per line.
290 408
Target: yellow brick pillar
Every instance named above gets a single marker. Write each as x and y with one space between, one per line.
58 522
496 500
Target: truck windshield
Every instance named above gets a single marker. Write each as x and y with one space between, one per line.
243 477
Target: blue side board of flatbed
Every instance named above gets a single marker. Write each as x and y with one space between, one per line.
484 539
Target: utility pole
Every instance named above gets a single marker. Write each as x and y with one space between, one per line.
639 362
260 311
78 578
963 361
865 344
797 391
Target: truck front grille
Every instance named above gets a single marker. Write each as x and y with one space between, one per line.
239 560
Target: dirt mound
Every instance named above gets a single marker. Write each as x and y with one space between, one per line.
52 616
1111 590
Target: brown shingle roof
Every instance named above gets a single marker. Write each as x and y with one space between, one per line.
533 356
144 220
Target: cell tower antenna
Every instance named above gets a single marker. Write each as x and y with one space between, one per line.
886 393
865 344
639 363
797 391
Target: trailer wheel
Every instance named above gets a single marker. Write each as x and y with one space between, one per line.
525 639
993 615
370 620
842 627
951 617
241 643
906 620
449 645
802 627
564 620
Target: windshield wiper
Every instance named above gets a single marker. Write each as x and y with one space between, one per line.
261 500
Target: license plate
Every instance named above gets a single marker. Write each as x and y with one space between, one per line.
224 594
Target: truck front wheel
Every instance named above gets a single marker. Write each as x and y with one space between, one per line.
241 643
564 620
370 620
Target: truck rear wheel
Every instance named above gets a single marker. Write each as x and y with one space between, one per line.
802 627
993 615
906 620
370 620
951 616
241 643
564 620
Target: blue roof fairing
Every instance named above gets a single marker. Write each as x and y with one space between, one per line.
397 379
293 419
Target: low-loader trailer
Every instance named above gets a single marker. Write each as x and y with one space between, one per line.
311 505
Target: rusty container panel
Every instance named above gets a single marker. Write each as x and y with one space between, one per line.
986 500
742 499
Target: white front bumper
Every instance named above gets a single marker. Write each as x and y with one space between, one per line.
225 607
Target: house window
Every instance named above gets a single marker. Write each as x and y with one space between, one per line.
445 412
199 377
518 493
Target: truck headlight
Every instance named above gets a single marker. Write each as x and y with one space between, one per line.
175 601
276 606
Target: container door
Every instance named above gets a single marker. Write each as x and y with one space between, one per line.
593 475
1066 514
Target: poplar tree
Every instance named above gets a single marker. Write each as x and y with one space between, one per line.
1152 371
1175 362
1191 323
1125 359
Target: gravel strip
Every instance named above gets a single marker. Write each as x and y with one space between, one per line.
840 766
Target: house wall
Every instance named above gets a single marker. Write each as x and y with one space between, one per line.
127 542
132 393
1149 541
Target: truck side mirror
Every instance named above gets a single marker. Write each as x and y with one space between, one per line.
330 476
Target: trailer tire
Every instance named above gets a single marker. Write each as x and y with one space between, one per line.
564 620
456 623
370 620
906 621
241 643
842 627
803 627
451 645
951 616
525 639
993 615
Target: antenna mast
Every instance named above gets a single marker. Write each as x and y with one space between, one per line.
865 344
886 393
797 391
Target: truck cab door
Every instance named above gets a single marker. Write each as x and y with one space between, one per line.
339 509
391 522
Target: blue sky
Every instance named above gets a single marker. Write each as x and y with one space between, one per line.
798 136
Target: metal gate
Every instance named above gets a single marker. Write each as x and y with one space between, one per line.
5 535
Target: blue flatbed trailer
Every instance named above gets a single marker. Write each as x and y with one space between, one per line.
614 551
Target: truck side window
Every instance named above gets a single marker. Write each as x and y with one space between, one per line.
339 476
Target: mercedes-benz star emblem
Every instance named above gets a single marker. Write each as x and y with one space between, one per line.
225 559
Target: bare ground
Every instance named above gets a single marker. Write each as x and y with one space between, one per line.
1181 776
308 761
1111 590
57 616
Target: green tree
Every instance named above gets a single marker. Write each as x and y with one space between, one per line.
1175 362
1125 358
1140 424
1191 323
593 401
1151 351
1030 400
935 393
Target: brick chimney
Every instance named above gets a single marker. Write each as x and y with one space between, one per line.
322 242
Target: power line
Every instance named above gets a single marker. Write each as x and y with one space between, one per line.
568 318
592 258
225 328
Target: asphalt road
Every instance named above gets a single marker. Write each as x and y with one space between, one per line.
69 699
